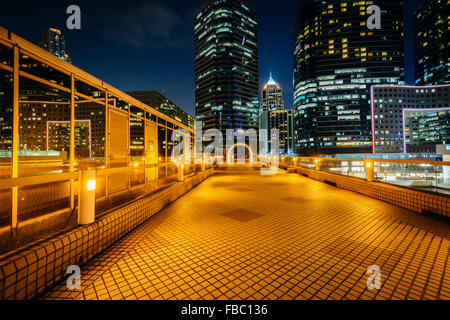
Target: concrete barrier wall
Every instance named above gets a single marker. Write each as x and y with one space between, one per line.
28 272
414 200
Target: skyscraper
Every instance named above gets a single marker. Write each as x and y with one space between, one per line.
226 65
283 121
273 116
431 43
54 42
337 58
272 96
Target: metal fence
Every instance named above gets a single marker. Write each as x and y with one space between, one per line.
56 120
425 175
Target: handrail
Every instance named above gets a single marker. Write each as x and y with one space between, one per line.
413 162
37 179
49 178
58 177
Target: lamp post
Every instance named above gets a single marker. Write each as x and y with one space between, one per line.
86 199
370 170
181 172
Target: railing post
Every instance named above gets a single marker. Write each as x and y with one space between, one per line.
86 199
72 140
370 170
180 172
107 143
295 162
15 140
317 161
203 165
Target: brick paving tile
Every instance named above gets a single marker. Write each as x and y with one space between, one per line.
246 236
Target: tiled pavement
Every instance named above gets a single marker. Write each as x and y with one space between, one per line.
281 237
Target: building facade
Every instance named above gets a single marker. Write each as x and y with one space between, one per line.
45 121
160 102
337 58
273 116
431 43
426 129
272 96
54 42
283 121
226 65
410 119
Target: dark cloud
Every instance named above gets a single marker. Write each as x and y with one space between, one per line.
154 24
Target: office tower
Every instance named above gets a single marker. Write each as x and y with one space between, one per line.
226 65
337 58
273 116
410 119
54 42
431 43
160 102
283 121
272 96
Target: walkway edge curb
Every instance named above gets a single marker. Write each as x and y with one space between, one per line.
29 273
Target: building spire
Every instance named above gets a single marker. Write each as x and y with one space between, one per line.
271 81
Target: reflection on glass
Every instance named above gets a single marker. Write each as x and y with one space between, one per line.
137 111
6 55
90 119
137 140
118 103
42 111
162 144
6 111
89 90
41 70
170 144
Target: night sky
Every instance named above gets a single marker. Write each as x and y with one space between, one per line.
149 45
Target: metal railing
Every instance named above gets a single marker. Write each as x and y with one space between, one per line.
425 175
54 189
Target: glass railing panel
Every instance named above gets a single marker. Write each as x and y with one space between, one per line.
346 168
41 199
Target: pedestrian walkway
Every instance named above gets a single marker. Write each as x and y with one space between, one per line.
247 236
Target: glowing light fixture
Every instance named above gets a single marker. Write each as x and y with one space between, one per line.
91 185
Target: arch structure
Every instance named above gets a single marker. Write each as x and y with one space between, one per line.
230 154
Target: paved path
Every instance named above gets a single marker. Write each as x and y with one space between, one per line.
245 236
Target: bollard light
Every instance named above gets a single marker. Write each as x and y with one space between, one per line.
86 199
91 185
180 172
370 170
